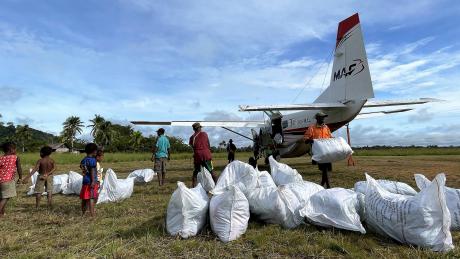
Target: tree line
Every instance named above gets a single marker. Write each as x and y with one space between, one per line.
109 136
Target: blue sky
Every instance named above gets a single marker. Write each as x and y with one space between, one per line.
163 60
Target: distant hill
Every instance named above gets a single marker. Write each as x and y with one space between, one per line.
39 138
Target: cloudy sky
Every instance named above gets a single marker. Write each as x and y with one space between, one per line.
163 60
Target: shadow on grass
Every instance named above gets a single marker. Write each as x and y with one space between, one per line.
152 227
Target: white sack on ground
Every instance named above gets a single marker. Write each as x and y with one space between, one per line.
275 205
304 190
187 210
330 150
59 183
74 183
422 220
264 179
142 175
205 178
336 207
33 181
282 173
114 189
452 199
229 213
237 173
391 186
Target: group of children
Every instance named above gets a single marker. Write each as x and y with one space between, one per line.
10 165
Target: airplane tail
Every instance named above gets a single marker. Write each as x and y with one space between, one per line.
350 77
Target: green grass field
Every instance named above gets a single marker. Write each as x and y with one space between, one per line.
135 227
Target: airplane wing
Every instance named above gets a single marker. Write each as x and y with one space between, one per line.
370 104
293 107
229 124
366 115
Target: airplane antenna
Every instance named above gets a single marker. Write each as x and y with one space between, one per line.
313 76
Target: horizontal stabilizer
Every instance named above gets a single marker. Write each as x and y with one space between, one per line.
370 104
230 124
293 107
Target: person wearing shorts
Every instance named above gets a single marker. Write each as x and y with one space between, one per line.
161 154
201 153
9 165
90 186
45 168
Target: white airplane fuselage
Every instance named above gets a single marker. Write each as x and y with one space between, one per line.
295 124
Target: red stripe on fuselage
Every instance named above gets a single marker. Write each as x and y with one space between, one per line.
345 26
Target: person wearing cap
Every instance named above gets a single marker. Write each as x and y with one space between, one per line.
320 130
161 154
231 149
201 153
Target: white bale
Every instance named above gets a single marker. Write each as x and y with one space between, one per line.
336 207
275 205
237 173
330 150
187 209
74 183
229 214
282 173
33 180
264 179
142 175
204 177
422 220
391 186
304 190
60 183
114 189
452 199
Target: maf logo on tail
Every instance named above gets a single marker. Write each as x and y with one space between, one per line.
352 70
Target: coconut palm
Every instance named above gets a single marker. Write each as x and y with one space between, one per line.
23 134
96 125
72 126
136 139
105 133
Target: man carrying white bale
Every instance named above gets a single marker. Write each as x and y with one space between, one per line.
320 130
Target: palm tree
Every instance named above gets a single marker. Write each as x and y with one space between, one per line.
136 139
1 122
22 135
72 126
105 133
96 125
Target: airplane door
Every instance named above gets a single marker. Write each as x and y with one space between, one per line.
277 130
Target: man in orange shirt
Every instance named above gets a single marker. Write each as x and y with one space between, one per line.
317 131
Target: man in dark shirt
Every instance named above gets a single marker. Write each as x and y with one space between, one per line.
201 153
231 149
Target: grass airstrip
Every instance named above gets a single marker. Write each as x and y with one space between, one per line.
135 228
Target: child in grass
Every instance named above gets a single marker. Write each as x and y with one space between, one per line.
9 165
45 168
90 186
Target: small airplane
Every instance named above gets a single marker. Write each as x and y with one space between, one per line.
348 93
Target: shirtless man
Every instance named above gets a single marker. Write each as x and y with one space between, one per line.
45 168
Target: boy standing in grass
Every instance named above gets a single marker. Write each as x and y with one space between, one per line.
45 168
90 186
9 165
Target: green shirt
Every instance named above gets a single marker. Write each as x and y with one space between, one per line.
162 147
